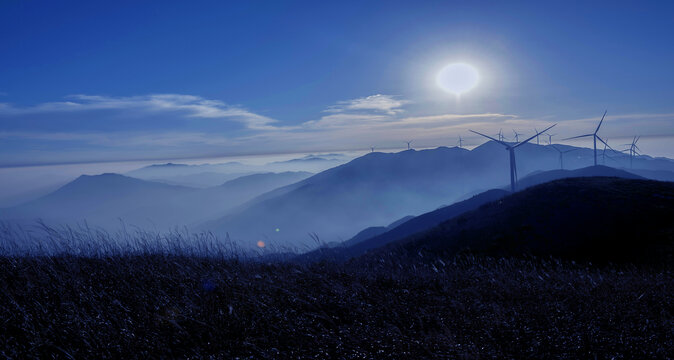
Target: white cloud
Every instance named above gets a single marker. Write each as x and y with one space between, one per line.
188 105
122 139
387 104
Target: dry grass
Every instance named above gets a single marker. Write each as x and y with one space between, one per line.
179 306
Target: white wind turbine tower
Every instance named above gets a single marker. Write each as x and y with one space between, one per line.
561 155
460 142
511 149
595 137
550 138
408 144
500 135
372 148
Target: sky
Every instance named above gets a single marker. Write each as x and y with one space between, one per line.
90 81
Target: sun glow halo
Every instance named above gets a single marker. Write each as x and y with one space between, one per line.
457 78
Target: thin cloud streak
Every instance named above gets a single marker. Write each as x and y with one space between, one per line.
388 104
189 105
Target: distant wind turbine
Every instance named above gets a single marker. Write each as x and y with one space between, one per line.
408 144
633 148
500 135
561 155
595 137
460 142
511 149
536 130
603 153
517 136
550 138
372 148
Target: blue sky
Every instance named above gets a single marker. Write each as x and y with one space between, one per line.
129 80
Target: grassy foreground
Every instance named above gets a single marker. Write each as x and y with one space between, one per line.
159 306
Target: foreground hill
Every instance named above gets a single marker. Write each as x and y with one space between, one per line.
581 218
104 200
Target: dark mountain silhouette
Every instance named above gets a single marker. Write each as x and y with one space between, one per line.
104 199
597 219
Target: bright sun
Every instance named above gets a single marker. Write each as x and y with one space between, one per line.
457 78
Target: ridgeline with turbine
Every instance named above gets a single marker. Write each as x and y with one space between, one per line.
595 137
511 149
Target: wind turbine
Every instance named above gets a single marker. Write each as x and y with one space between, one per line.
517 136
603 155
561 155
536 130
633 148
550 138
595 137
511 149
372 148
460 142
500 135
408 144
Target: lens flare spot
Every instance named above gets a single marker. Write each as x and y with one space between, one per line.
277 229
261 244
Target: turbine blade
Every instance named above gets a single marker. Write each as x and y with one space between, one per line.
489 137
602 120
604 142
579 136
529 139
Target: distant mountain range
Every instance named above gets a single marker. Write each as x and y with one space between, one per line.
104 200
208 175
379 188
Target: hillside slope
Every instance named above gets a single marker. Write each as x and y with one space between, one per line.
599 219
